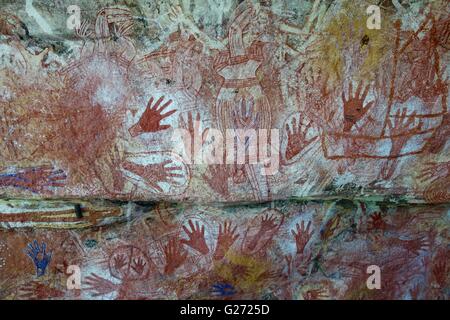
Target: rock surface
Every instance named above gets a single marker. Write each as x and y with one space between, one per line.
106 110
287 250
224 149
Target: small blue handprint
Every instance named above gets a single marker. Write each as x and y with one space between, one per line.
223 290
40 258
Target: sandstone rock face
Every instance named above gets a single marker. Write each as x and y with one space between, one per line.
250 144
248 252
